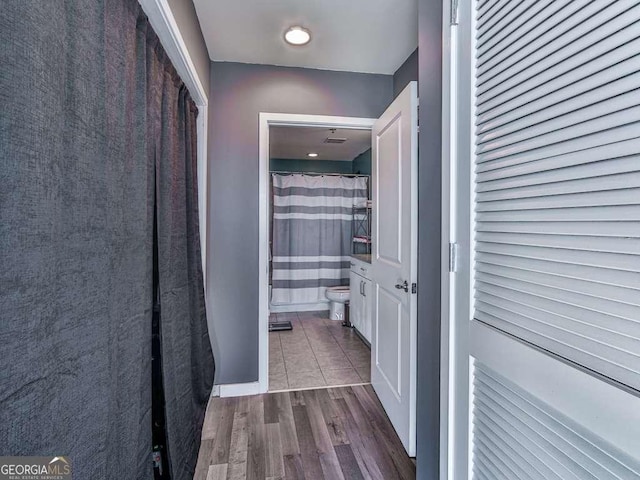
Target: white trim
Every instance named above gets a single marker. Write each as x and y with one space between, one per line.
266 120
447 279
361 384
215 391
240 389
203 191
455 383
164 24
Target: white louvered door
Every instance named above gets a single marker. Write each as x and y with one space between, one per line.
546 335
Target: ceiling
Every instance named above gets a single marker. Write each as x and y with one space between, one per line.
369 36
296 142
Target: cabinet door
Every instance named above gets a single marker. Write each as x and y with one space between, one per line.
355 302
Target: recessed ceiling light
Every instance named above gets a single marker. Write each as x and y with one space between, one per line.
297 36
312 154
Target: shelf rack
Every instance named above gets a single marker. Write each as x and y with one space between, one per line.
361 229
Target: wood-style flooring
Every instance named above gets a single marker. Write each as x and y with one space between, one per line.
318 352
335 433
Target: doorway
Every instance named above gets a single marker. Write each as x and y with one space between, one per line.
316 174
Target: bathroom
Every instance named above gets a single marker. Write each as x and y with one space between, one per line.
319 254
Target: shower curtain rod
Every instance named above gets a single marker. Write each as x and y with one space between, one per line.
320 174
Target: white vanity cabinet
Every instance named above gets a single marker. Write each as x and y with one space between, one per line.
360 302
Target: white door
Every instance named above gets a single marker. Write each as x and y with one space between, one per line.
393 263
543 357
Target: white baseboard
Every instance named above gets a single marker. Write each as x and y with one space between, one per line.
215 391
240 389
306 307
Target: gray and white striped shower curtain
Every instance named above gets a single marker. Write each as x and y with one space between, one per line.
312 235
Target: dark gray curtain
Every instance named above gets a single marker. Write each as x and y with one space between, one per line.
93 124
187 362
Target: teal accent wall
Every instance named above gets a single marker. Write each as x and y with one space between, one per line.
362 163
317 166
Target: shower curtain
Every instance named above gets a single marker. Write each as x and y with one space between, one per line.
312 235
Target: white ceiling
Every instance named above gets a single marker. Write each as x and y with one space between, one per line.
370 36
296 142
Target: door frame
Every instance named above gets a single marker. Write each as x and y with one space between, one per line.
267 120
447 236
457 227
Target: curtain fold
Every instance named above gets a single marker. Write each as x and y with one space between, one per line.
187 360
312 217
86 94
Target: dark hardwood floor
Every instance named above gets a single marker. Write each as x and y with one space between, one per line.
335 433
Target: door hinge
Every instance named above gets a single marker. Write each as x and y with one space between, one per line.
454 12
453 257
414 288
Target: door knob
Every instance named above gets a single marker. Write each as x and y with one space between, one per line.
403 286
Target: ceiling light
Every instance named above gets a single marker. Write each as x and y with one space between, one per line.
297 36
312 154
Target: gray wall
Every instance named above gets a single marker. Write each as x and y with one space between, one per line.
303 165
238 93
407 72
187 20
429 208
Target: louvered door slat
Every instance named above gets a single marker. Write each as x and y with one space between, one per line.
598 35
609 297
613 172
510 145
629 246
538 25
555 157
525 86
595 88
612 197
505 9
625 283
562 302
576 143
591 229
554 119
499 431
519 21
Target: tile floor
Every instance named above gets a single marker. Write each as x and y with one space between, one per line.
318 352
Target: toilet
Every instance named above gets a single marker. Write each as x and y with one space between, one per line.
337 296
